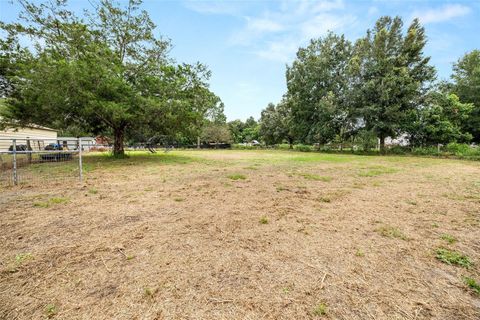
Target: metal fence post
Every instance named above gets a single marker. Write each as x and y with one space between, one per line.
80 164
14 149
29 148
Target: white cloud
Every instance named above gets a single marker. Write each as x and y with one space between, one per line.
444 13
263 25
322 23
372 11
215 7
277 34
281 50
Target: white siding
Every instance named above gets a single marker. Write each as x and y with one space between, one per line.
23 133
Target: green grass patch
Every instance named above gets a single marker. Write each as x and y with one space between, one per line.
237 176
320 310
324 199
50 202
453 258
376 171
19 260
50 311
391 232
449 238
263 220
316 177
472 284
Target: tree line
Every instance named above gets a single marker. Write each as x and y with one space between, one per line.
105 72
380 86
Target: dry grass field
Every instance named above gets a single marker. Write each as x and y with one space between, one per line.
245 235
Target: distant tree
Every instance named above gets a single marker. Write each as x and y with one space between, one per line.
318 86
216 133
270 125
275 124
107 74
244 131
466 77
390 76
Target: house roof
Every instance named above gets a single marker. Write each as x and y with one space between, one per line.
31 126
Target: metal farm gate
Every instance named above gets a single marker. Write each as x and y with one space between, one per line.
36 161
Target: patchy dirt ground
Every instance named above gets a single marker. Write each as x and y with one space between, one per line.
245 235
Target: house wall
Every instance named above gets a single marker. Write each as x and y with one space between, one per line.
22 133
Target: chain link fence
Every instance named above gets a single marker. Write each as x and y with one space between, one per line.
36 161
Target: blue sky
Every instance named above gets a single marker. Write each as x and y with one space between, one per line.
247 44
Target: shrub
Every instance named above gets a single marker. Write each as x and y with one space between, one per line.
240 146
425 151
458 149
303 148
282 146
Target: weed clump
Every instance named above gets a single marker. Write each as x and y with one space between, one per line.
237 177
391 232
453 258
263 220
320 309
472 284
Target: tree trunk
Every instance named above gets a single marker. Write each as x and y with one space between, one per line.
119 135
290 143
382 144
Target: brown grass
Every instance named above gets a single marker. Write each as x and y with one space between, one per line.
132 249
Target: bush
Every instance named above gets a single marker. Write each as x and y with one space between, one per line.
458 148
462 150
425 151
303 148
366 140
282 146
240 146
398 150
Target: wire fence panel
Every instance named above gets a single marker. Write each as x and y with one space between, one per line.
38 161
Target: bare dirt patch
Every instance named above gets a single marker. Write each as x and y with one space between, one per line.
299 236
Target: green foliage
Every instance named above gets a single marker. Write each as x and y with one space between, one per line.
106 74
317 84
390 74
302 148
440 120
366 140
466 77
472 284
244 131
276 123
216 133
453 257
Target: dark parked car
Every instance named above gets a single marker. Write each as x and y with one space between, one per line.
55 156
